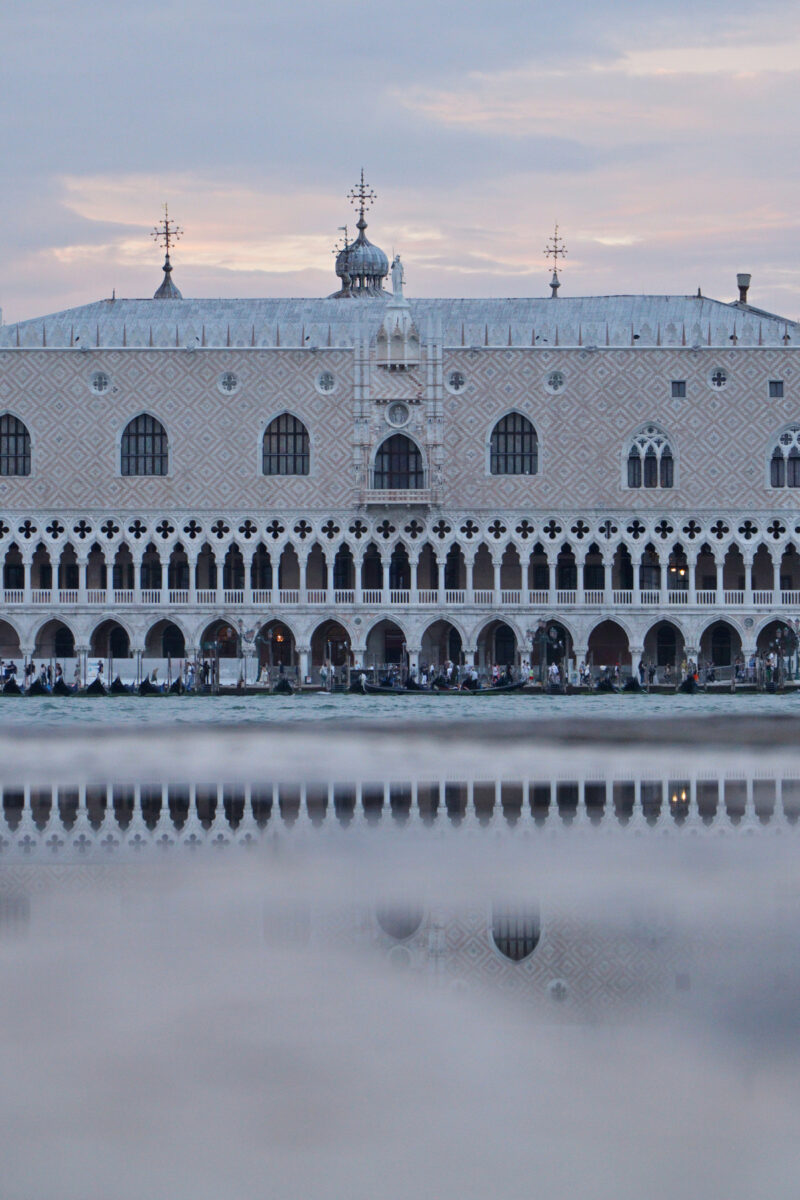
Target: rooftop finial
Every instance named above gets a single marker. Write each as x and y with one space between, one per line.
362 197
167 232
555 249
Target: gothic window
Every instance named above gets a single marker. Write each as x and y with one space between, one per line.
514 448
398 464
650 462
15 447
286 447
784 468
145 450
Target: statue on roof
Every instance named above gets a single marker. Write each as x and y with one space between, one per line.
398 278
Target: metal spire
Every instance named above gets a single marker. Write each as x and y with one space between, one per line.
167 232
555 249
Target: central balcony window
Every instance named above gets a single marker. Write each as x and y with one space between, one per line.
398 465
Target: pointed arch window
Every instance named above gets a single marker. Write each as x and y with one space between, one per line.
514 447
398 464
144 449
784 467
650 461
15 447
286 447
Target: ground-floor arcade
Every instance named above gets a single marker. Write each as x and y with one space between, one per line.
303 641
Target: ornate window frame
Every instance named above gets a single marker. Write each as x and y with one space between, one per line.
790 432
650 431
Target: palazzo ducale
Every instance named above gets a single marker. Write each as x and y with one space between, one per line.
370 478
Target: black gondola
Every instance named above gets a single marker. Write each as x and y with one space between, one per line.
177 688
96 688
61 689
689 686
11 688
146 688
38 688
606 685
118 688
632 685
283 687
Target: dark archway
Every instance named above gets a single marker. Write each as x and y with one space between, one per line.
441 642
386 645
664 646
165 640
330 643
608 646
497 645
110 640
720 645
275 643
220 638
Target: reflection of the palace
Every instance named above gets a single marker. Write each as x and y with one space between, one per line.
90 820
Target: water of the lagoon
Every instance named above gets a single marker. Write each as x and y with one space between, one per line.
166 710
207 1023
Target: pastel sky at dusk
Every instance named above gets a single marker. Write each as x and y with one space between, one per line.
664 140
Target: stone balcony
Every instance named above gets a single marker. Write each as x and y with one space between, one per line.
444 598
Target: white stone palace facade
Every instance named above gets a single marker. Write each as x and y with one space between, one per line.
371 478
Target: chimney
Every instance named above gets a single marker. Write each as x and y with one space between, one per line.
744 283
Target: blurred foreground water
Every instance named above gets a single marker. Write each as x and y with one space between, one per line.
418 956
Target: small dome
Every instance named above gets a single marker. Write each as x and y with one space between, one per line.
362 258
367 266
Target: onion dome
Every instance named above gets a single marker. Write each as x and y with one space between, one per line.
360 265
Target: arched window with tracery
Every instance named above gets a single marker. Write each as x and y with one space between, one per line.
15 447
144 449
286 447
514 447
650 461
398 464
784 467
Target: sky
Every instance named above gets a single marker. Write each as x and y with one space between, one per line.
662 138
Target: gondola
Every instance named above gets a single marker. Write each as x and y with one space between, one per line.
177 687
146 688
689 686
500 689
606 685
380 689
283 688
11 688
96 688
118 688
632 685
61 689
38 688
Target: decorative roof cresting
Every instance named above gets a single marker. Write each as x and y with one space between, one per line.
167 232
